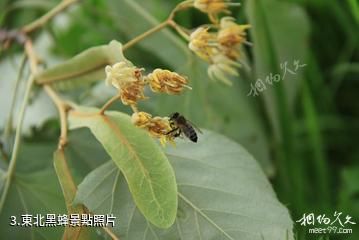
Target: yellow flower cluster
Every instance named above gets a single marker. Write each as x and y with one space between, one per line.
158 127
166 81
130 82
221 48
231 36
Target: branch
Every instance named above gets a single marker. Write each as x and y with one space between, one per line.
168 22
62 108
48 16
109 103
145 34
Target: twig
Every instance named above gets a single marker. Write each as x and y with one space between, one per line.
180 30
62 108
145 34
168 22
109 103
12 165
32 57
134 108
181 6
60 104
48 16
110 233
9 123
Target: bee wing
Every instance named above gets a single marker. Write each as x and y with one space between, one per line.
194 125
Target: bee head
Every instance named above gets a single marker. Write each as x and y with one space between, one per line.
174 115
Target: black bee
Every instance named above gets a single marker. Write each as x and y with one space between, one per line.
181 125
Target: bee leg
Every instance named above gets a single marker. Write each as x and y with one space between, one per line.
177 134
172 131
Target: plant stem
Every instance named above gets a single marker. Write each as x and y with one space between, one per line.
8 127
62 108
169 21
180 30
144 35
110 233
12 165
181 6
48 16
31 55
134 108
109 103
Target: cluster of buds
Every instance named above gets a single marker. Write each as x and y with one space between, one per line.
166 81
221 49
130 83
158 127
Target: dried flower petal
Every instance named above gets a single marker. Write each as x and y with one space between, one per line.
133 93
166 81
121 74
231 36
222 68
203 43
128 80
159 127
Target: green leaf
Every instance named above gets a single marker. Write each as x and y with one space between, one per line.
223 194
149 175
271 22
84 156
84 68
33 190
210 104
69 190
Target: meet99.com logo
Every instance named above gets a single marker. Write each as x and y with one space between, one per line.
337 223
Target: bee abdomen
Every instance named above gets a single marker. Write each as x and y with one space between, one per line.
191 134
